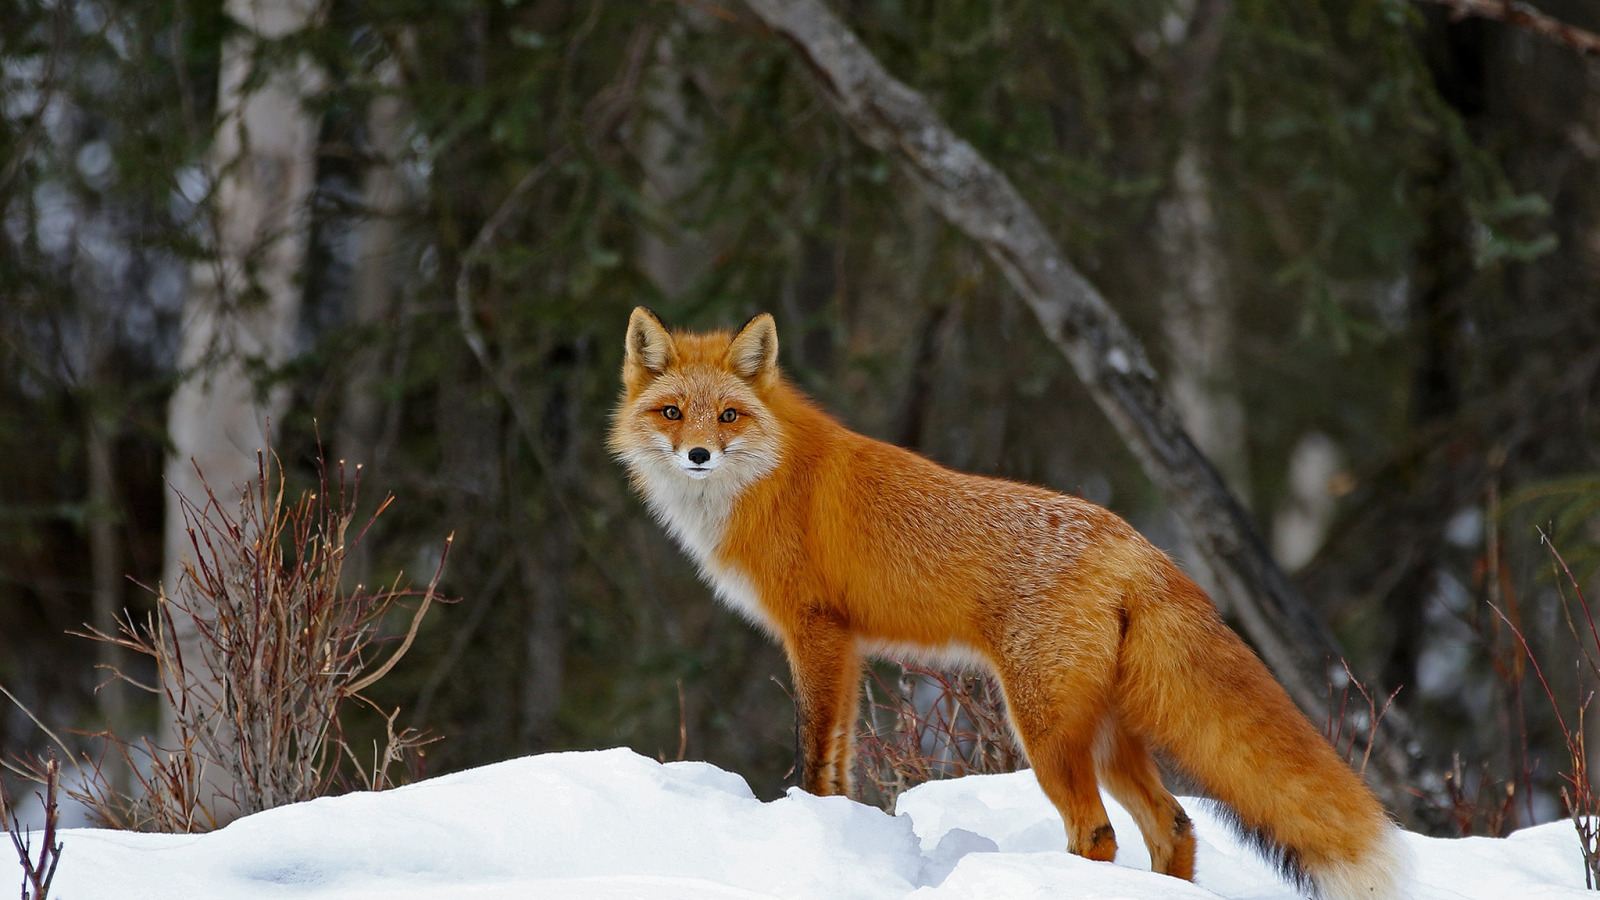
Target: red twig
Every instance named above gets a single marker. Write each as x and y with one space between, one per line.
1334 727
1582 803
1481 802
1583 806
36 874
1537 670
1588 615
961 729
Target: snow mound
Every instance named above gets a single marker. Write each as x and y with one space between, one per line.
610 824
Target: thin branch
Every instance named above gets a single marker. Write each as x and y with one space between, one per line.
1524 16
411 635
1555 706
484 240
35 719
1588 614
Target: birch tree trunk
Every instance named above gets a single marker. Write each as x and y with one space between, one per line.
671 147
239 319
1197 309
1198 318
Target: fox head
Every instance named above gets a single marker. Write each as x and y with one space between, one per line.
694 405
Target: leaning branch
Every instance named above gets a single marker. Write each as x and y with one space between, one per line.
981 201
1513 12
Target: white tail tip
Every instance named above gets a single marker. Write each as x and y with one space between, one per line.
1384 874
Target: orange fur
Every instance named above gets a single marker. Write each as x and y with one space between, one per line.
840 545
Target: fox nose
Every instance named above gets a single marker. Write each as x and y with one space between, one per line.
699 456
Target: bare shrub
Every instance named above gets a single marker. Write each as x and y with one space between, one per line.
932 724
1578 794
284 647
1473 803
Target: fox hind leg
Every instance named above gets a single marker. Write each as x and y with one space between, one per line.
1126 769
1057 724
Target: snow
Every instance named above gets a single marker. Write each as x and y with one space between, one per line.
610 824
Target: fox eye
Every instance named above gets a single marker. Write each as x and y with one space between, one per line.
728 415
672 412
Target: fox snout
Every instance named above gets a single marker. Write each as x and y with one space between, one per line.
697 462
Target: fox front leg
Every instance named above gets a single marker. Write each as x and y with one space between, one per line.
826 668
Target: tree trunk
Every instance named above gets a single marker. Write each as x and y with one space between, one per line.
1197 307
1197 316
244 301
980 201
671 148
366 427
105 563
379 277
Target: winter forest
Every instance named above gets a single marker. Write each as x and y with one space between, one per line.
322 303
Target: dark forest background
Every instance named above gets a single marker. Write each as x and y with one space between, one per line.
1360 238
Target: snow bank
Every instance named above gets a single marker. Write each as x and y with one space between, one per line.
613 824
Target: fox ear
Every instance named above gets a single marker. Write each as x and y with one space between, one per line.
649 346
753 353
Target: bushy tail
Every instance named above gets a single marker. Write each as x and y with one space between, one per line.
1190 686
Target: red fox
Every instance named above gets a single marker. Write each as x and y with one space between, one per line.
839 546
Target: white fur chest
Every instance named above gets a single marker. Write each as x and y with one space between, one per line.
696 514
